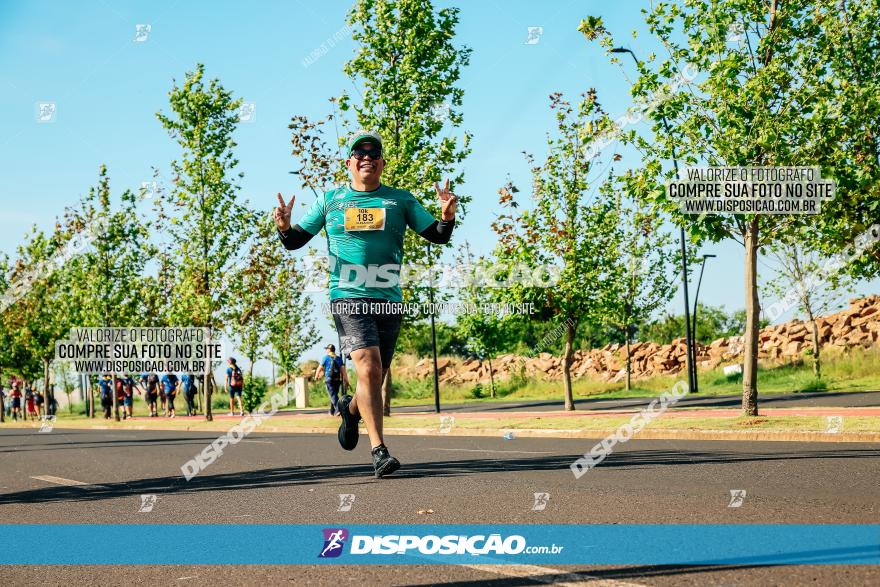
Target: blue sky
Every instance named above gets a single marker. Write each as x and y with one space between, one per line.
83 57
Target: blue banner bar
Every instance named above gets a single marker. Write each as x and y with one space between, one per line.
602 544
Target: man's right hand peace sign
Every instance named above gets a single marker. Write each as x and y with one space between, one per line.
282 213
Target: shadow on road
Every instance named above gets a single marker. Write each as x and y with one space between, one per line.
828 399
636 572
315 474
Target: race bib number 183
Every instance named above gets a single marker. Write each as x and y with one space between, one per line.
364 219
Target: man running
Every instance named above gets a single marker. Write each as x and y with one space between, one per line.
365 224
335 375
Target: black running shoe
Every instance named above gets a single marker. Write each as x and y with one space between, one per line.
348 429
383 462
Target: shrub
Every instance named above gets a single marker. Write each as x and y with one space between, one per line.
253 393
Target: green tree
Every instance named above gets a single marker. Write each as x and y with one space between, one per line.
483 331
645 274
722 103
839 58
566 230
205 224
252 297
39 314
105 280
800 277
291 328
6 339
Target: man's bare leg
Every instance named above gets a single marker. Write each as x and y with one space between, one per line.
368 395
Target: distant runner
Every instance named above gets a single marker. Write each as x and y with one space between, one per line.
169 386
334 375
150 382
106 385
234 386
15 395
365 224
128 397
188 384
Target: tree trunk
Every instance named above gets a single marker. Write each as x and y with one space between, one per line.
115 400
2 406
209 416
566 367
753 309
82 392
491 379
386 393
814 332
47 393
628 368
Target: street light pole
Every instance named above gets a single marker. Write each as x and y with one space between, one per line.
691 352
694 336
433 337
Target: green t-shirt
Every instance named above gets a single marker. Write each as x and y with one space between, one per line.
365 238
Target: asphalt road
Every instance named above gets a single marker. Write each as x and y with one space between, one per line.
296 479
854 399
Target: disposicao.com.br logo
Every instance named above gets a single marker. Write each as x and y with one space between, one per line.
479 544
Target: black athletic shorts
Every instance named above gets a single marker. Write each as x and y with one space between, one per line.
366 322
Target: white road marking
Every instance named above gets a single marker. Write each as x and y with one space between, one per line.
58 480
549 575
522 452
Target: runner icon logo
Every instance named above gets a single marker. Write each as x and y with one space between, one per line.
334 540
833 424
346 500
737 496
147 503
541 500
47 423
446 424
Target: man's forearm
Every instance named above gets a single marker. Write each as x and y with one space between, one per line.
439 232
294 237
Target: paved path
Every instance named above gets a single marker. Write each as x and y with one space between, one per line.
732 402
296 478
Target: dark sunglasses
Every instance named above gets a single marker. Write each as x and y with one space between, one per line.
373 153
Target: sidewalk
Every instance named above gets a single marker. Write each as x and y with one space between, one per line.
832 424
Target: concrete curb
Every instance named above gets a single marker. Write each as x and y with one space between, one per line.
723 435
736 435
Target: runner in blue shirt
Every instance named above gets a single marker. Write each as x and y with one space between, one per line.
106 385
169 386
334 375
